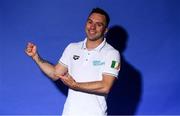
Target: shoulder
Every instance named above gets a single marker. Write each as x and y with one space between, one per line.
110 50
75 45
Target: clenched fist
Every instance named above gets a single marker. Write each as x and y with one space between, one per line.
31 49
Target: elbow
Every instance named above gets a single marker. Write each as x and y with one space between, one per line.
105 91
54 75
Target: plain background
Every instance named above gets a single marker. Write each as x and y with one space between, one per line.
150 78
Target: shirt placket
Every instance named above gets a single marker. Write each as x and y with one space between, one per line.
87 57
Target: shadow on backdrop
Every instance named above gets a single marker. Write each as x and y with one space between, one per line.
61 87
126 93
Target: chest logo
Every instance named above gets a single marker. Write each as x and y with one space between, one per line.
98 63
76 57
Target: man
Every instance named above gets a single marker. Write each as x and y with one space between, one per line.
89 68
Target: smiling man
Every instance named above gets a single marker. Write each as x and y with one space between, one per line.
89 68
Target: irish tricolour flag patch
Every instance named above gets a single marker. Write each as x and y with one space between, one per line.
115 65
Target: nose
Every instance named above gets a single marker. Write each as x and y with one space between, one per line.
93 26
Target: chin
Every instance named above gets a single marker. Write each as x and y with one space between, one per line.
92 38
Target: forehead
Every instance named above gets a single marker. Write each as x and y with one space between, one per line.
97 17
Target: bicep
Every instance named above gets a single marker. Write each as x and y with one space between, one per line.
61 69
108 80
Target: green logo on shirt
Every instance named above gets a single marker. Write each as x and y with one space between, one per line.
115 65
98 63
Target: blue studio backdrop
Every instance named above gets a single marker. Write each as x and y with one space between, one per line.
146 32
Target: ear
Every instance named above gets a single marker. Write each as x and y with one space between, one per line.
106 30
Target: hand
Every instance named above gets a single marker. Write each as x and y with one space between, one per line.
31 49
69 81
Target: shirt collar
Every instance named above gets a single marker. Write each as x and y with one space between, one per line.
98 48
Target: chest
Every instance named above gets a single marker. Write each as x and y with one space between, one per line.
87 64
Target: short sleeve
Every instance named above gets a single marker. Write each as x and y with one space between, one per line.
112 63
64 60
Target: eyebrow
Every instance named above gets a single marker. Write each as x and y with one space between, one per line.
89 19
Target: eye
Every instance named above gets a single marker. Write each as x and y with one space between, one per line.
100 25
89 21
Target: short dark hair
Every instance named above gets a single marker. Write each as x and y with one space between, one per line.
101 11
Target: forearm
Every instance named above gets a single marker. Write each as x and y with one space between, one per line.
45 66
97 87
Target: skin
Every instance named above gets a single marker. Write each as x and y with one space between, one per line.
95 29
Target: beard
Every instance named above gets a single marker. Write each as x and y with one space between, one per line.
94 37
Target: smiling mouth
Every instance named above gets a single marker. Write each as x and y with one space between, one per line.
92 32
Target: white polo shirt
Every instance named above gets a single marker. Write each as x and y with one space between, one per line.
86 66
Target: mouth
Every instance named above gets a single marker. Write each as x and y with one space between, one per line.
92 32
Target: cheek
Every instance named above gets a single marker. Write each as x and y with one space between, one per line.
87 26
100 30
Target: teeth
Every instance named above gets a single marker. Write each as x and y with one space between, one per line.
92 32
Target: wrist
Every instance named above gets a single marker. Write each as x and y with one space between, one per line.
35 56
76 86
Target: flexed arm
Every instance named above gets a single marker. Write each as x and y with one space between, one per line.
102 87
49 69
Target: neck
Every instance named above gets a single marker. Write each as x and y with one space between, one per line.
91 44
